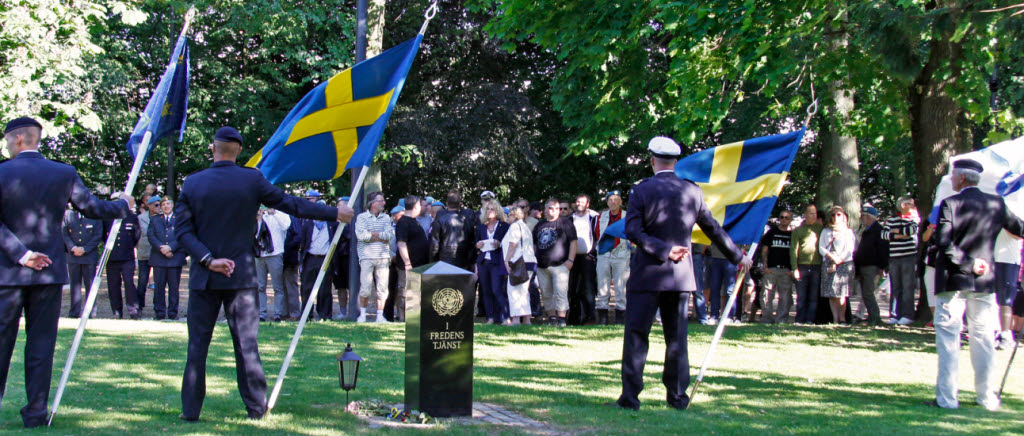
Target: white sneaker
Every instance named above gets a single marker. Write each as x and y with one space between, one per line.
361 318
892 320
1004 342
381 318
905 321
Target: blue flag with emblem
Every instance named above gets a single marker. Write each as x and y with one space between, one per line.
165 113
741 182
339 123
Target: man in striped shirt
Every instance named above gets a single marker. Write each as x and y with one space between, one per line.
374 233
901 232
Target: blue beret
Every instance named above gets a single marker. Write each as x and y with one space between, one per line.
870 210
969 164
505 209
397 209
401 202
228 134
312 193
154 199
345 198
430 200
18 123
437 203
613 192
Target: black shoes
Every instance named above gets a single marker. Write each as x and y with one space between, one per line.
188 418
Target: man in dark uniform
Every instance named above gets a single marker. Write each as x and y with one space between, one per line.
167 257
453 234
34 192
315 239
121 267
215 221
662 212
969 223
81 237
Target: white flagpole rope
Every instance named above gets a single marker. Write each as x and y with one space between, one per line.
312 296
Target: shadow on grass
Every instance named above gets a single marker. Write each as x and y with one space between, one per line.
129 382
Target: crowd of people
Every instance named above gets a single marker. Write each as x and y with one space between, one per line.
540 260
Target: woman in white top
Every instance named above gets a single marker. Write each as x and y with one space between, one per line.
836 245
518 243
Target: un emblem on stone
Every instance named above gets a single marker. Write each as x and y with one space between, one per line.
447 302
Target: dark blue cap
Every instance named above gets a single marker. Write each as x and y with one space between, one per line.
228 134
969 164
613 192
18 123
870 210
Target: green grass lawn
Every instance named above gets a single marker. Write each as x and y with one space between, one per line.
775 380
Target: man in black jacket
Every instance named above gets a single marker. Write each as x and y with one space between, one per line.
453 233
871 260
966 236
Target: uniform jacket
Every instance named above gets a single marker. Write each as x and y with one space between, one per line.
127 238
497 256
662 212
162 233
968 225
216 216
79 231
34 193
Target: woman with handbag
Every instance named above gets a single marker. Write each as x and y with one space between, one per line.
520 262
490 265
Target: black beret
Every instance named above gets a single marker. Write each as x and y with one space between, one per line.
228 134
21 122
969 164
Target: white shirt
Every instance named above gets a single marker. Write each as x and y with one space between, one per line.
277 223
584 233
1007 248
320 240
366 224
841 243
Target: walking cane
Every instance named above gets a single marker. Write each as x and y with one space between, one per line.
1016 344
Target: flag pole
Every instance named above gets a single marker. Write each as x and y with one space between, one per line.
115 229
740 277
312 295
90 300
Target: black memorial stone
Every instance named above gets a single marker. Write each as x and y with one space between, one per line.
439 305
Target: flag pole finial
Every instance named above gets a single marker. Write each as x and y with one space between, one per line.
429 15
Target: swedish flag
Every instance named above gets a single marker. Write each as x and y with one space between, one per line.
339 123
741 182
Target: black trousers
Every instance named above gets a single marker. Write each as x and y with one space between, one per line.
81 274
140 289
641 307
169 277
242 309
582 290
311 265
118 272
41 304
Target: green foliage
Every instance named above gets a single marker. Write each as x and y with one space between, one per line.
631 70
251 62
45 46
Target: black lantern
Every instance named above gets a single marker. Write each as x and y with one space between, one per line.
348 370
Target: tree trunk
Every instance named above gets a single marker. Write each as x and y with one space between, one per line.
937 124
840 168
